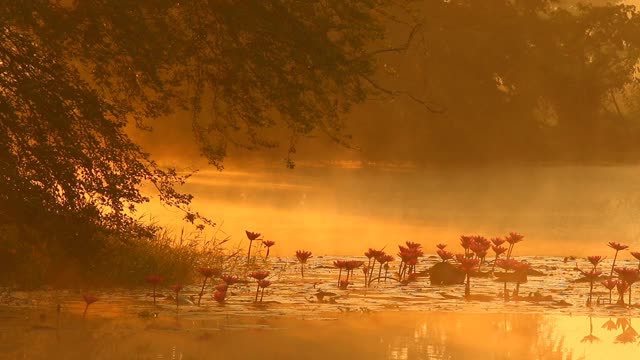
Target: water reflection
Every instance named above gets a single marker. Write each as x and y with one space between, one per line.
590 338
481 336
629 334
400 335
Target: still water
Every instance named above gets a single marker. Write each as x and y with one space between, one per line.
344 208
385 321
341 336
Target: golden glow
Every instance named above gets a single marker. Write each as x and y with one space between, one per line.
344 210
401 335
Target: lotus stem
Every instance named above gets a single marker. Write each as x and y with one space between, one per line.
467 287
614 264
373 266
257 292
204 283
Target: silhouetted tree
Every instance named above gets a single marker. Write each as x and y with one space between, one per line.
75 74
521 81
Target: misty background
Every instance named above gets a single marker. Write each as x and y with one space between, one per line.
413 174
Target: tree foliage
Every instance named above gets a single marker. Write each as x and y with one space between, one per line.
240 66
524 81
75 74
513 80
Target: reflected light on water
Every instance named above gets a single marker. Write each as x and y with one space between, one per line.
345 336
343 211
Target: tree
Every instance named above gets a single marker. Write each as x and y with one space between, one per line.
525 81
75 74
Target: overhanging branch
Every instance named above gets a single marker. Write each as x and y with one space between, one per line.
429 106
399 49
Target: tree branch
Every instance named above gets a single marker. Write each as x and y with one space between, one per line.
399 49
615 103
430 107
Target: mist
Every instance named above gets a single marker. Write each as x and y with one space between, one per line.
194 176
345 208
409 174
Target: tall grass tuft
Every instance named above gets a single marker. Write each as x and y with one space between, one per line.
34 260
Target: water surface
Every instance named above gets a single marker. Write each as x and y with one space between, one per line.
344 208
386 321
398 335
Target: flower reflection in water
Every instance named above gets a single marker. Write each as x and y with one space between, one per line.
609 325
629 334
590 338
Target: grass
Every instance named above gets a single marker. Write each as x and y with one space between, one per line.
33 260
29 260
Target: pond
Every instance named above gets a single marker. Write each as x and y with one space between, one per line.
386 321
345 210
385 335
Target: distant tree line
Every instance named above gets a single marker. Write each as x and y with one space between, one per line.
519 81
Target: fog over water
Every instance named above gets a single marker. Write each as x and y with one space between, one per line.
342 201
344 208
